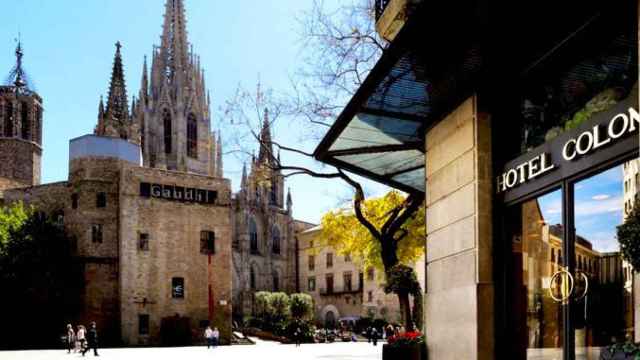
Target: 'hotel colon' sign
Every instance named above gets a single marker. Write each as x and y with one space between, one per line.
178 193
604 137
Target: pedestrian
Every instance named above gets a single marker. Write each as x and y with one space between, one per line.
297 335
208 335
374 336
369 334
92 340
70 338
81 337
216 337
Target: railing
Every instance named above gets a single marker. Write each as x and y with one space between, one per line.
324 291
380 6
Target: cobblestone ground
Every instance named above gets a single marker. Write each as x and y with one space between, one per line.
260 351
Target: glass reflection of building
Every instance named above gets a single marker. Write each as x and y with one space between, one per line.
540 247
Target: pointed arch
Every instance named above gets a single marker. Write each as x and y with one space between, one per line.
253 236
192 136
276 280
167 130
25 122
273 192
8 119
275 240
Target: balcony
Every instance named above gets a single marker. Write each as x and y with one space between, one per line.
391 16
334 292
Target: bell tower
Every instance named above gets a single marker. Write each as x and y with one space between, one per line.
20 129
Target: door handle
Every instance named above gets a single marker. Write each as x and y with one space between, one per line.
586 284
564 296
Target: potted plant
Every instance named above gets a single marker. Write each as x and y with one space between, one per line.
626 351
409 345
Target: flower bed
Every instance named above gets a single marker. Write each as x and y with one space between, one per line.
409 345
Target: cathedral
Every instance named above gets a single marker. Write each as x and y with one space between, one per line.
166 247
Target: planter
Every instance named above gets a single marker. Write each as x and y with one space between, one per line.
407 352
620 352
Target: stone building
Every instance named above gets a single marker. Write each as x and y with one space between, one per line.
264 240
341 287
20 130
145 203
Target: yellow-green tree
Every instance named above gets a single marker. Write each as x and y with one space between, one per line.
383 232
348 235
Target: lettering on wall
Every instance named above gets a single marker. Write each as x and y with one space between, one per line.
569 149
178 193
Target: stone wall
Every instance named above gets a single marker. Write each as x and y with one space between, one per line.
459 299
20 161
173 230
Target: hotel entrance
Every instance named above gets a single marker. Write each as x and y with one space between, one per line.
572 292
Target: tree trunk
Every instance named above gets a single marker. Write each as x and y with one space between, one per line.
405 307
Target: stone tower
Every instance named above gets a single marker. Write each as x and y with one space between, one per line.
20 129
172 109
114 120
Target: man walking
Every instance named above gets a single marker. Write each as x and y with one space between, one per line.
92 340
374 336
208 335
216 337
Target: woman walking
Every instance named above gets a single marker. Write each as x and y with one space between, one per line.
81 336
71 337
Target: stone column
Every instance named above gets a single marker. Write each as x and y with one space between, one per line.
459 300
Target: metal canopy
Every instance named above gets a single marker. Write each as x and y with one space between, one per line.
380 133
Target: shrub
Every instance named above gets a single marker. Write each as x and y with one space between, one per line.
263 304
279 306
301 306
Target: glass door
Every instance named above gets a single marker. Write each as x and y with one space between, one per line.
602 302
536 255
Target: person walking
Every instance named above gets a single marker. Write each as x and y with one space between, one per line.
374 336
297 335
71 337
369 334
92 340
81 337
216 337
208 335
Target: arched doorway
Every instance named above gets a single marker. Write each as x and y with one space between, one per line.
330 320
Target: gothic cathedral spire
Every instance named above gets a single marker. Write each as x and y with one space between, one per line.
266 148
114 119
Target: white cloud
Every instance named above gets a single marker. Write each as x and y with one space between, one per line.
600 197
588 208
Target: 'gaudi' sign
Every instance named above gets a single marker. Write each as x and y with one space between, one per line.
178 193
573 151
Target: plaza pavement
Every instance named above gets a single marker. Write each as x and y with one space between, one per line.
262 350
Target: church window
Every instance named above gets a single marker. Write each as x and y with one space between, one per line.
74 201
275 239
166 119
26 124
274 193
192 136
8 120
252 278
143 242
207 242
276 281
101 200
177 288
96 233
253 236
143 324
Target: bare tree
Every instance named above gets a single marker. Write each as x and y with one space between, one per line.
341 48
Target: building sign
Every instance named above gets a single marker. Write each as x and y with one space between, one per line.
178 193
601 139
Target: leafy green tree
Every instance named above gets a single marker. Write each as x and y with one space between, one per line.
39 278
301 306
262 304
279 305
629 237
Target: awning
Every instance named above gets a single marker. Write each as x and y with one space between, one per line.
380 133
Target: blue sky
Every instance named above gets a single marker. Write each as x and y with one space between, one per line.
69 47
598 208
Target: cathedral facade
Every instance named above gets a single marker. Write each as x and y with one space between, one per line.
166 247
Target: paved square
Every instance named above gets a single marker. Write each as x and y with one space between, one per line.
260 351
